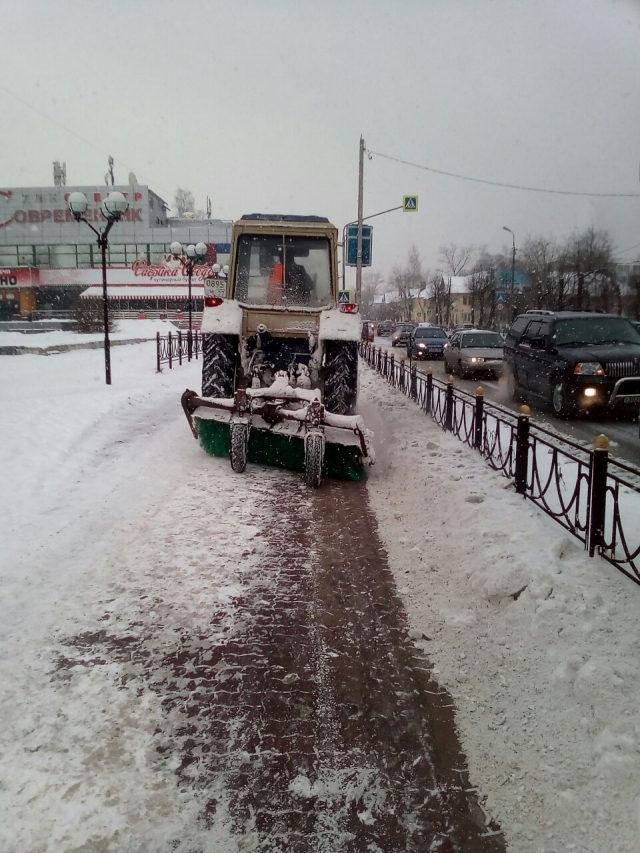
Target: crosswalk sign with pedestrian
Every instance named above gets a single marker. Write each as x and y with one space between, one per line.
344 297
410 203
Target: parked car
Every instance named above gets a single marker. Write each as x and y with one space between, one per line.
573 359
474 352
368 331
385 328
401 333
426 341
462 327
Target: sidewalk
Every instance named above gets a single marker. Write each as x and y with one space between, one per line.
537 643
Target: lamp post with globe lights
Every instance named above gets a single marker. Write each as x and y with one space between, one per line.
189 256
114 207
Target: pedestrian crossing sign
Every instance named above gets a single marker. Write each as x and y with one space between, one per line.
344 297
410 203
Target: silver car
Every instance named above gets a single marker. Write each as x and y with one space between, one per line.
474 351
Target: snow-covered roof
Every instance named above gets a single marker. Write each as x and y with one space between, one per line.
392 296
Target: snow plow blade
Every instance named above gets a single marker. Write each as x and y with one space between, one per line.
281 427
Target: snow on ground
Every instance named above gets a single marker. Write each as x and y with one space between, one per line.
106 527
102 508
537 643
125 330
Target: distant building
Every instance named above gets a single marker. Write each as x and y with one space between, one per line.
48 260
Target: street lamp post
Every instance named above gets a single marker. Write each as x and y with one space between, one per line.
113 208
189 257
513 270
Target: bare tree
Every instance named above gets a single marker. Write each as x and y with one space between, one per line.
456 257
371 285
540 256
588 257
407 281
184 201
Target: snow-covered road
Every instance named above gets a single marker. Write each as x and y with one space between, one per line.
130 559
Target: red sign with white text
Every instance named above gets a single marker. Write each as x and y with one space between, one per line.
18 276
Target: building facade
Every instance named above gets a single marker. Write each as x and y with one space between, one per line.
48 260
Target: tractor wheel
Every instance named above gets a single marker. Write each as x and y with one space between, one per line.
239 446
219 360
341 377
313 453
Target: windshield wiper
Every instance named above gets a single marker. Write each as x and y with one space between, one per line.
575 344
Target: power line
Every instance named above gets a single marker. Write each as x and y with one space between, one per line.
502 184
622 251
77 135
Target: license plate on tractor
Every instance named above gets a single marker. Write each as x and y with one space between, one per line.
215 287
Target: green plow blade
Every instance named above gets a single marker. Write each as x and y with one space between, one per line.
341 462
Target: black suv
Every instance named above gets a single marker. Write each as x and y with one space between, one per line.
573 359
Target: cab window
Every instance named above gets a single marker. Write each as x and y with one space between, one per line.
283 272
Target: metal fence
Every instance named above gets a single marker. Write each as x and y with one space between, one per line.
175 347
594 497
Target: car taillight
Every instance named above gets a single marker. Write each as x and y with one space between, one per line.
212 301
349 308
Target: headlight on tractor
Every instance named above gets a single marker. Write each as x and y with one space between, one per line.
589 368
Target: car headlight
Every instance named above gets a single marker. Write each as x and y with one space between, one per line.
474 360
422 346
589 368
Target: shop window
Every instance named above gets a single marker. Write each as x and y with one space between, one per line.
63 257
136 253
8 256
157 253
26 257
84 258
117 256
42 256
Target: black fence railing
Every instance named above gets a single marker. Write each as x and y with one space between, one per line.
176 347
594 497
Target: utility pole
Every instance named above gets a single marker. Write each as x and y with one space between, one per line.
360 208
512 295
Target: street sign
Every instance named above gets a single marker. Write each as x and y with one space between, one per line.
500 306
500 297
410 203
344 297
352 245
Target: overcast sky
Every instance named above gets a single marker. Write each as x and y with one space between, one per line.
260 105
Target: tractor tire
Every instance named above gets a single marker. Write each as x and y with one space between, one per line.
313 452
239 447
219 362
341 377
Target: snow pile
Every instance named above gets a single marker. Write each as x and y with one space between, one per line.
537 643
125 330
86 479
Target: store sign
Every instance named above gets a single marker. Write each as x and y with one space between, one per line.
18 277
171 269
170 273
43 206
